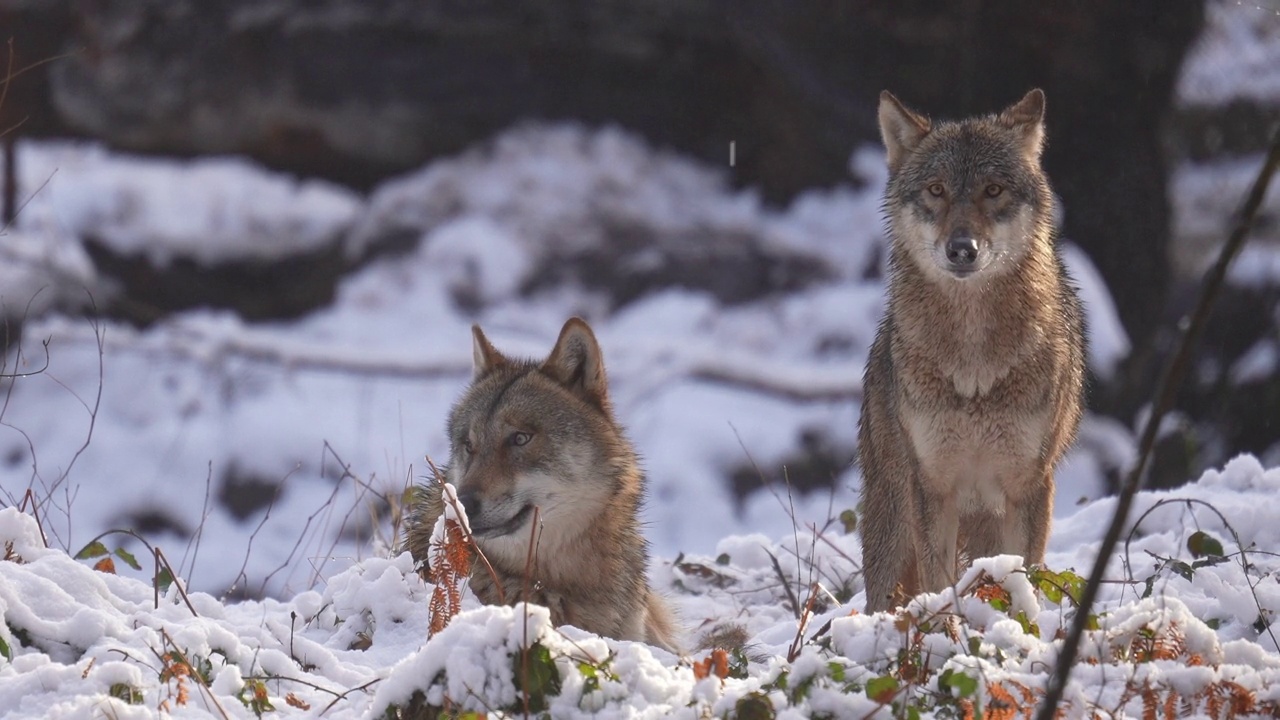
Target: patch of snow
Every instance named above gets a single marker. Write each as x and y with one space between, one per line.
1206 198
211 210
1237 55
1257 363
1256 266
1108 342
41 272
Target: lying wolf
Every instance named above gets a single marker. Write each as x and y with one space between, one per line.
538 440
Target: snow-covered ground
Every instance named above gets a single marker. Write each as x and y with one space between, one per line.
164 429
1178 630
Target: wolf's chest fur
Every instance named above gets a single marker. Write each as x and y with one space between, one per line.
973 393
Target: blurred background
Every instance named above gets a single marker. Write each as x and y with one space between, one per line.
244 242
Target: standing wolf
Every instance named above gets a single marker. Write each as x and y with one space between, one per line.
539 440
973 390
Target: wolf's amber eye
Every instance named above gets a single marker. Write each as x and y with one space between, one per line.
521 438
936 189
994 190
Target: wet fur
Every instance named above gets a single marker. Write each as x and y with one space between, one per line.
973 389
577 468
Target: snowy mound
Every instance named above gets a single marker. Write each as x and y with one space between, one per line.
211 210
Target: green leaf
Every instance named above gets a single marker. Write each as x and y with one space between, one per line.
1057 585
1028 627
1213 623
964 685
164 579
1051 591
127 693
536 675
92 550
5 650
849 519
975 645
591 683
837 671
203 667
722 559
882 689
128 557
1203 544
801 690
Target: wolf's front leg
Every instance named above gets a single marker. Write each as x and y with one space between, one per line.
1026 523
887 542
937 525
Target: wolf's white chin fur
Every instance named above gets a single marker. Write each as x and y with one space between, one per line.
563 511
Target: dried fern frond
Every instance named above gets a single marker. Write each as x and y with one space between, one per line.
449 560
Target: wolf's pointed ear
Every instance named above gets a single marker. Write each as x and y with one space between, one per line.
1027 117
485 358
576 363
901 129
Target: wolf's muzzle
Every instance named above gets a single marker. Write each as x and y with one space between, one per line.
962 254
470 503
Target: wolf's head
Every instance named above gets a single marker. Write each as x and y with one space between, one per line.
968 198
541 435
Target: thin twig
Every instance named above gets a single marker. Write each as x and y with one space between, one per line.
193 545
31 373
35 513
1169 384
329 707
300 681
530 566
162 560
786 585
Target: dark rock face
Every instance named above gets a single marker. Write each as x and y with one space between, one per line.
637 261
245 494
356 90
283 289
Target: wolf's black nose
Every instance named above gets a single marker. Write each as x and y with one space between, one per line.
962 250
470 503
